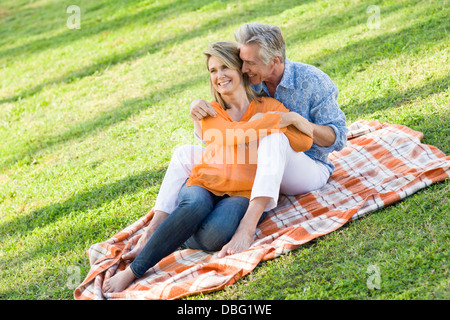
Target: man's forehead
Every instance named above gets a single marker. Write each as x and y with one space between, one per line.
250 52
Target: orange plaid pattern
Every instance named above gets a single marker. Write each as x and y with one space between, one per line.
381 164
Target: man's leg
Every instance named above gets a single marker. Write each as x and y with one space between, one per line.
282 170
302 174
272 158
272 153
279 169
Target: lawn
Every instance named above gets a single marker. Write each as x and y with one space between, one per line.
90 117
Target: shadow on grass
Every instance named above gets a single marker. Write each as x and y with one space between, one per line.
79 235
128 108
332 22
397 99
76 204
153 15
103 120
94 18
359 55
348 57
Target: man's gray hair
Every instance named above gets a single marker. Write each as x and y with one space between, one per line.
269 39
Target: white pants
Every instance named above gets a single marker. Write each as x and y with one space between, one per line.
279 170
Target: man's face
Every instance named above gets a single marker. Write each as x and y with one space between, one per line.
253 65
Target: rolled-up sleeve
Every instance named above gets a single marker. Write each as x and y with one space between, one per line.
325 111
311 93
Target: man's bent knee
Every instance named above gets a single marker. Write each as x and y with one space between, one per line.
276 139
188 154
272 152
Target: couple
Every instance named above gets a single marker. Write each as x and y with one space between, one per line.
269 131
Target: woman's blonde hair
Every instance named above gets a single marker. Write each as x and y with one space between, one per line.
228 53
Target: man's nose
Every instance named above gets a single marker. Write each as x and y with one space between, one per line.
245 68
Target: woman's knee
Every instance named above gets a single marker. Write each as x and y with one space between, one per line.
211 238
195 200
220 226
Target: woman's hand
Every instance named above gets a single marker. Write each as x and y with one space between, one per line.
157 219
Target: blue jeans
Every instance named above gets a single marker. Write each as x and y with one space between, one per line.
202 220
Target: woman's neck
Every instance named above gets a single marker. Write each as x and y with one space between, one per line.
237 101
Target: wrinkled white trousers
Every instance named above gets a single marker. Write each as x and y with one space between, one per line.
279 170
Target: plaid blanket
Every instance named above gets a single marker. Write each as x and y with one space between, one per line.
380 165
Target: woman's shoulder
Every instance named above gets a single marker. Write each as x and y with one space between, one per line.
268 103
217 106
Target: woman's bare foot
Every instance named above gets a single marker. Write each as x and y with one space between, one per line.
119 281
240 241
243 237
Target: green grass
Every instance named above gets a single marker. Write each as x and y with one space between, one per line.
90 118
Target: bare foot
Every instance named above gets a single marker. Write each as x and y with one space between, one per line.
243 237
119 281
241 241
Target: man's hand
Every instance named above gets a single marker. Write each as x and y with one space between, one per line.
302 124
290 118
201 109
257 116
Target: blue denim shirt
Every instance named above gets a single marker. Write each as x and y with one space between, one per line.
311 93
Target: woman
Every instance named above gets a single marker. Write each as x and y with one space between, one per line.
213 201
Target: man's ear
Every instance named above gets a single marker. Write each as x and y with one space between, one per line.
276 60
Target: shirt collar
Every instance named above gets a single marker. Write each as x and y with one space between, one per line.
287 81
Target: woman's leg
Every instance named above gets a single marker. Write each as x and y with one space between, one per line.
244 235
195 204
183 160
220 225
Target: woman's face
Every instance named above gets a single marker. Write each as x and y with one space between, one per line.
223 79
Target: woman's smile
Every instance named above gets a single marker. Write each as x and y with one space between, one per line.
224 82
